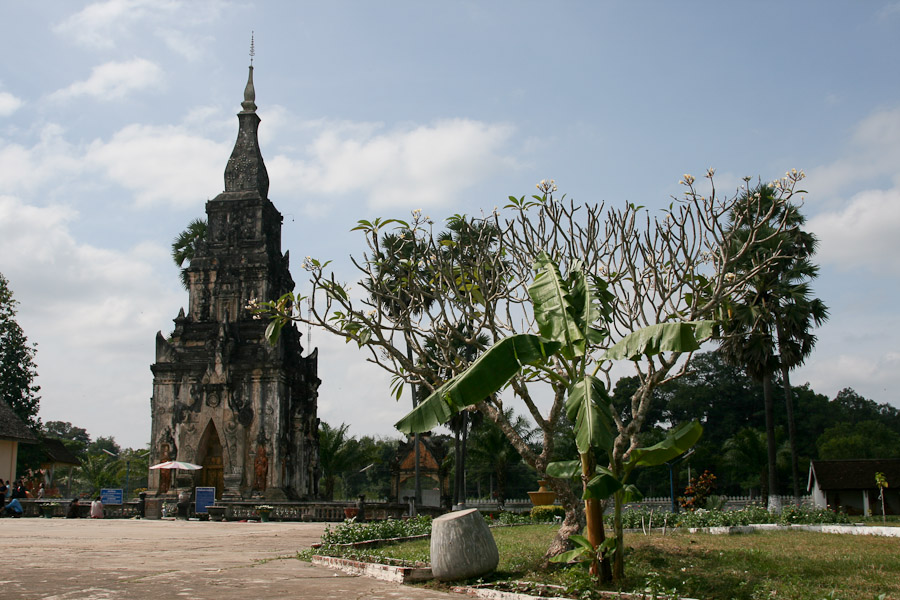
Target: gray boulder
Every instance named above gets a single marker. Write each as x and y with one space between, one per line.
462 546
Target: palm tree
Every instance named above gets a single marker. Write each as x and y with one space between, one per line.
746 454
493 452
770 322
407 274
796 316
397 287
185 246
338 454
96 472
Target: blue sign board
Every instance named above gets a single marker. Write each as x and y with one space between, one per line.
111 496
204 496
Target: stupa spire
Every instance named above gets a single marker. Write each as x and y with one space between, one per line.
245 170
249 103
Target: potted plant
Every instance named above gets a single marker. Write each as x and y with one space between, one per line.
48 509
264 510
216 513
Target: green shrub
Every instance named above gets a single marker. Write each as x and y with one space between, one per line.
809 515
755 515
636 518
510 518
350 531
547 513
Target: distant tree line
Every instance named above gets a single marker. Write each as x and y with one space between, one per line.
730 405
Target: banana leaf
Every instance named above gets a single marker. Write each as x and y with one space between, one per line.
662 337
487 375
591 303
553 311
587 406
602 486
679 440
564 469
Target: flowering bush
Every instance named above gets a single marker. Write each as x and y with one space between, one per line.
697 491
637 518
753 514
811 515
265 508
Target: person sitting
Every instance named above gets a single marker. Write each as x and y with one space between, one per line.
13 509
97 509
73 512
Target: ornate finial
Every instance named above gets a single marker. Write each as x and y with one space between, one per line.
249 103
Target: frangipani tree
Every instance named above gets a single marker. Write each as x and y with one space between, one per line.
645 272
572 314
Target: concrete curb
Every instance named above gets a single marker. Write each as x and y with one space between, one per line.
375 570
824 528
482 591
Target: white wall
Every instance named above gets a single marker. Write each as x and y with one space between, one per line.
9 451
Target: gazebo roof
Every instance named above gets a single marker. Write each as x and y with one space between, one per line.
13 428
55 452
853 474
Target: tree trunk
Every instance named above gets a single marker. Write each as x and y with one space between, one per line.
593 514
462 454
456 466
573 522
415 403
789 405
619 555
792 431
773 503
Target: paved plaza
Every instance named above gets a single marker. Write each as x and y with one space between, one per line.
84 559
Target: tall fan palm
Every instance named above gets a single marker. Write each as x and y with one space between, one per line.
338 454
494 453
796 315
770 326
185 246
399 287
745 453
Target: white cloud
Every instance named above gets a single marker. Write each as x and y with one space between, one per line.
9 104
425 166
94 313
114 80
873 152
889 10
187 45
162 165
863 234
104 24
96 24
870 374
49 163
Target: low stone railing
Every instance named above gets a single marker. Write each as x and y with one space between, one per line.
33 508
237 510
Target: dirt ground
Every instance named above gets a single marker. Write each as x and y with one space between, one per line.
85 559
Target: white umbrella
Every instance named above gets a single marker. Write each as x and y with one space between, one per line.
177 464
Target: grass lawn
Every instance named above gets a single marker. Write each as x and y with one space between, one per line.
784 565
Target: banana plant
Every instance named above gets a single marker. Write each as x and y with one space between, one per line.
572 314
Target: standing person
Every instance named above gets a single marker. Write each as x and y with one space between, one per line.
97 509
40 492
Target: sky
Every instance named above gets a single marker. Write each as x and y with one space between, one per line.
117 118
